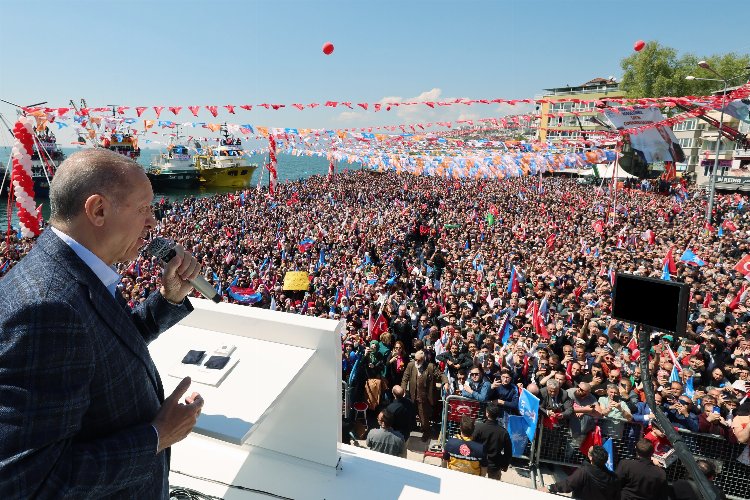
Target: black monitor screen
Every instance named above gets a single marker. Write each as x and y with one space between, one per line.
651 302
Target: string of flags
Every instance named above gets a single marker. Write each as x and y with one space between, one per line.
697 104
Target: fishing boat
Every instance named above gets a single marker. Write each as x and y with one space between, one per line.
122 140
174 169
225 165
45 158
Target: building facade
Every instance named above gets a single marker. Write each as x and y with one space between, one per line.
575 123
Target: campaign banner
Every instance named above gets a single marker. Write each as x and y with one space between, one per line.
655 144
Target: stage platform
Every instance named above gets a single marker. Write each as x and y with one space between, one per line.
271 424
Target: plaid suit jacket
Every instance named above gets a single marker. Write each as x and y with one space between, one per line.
78 387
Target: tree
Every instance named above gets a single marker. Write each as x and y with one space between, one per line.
656 71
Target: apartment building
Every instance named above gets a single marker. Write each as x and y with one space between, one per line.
575 123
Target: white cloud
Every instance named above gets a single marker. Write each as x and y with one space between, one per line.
421 113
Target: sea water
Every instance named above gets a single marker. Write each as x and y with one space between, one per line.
288 167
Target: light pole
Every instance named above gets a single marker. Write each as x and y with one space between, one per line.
712 181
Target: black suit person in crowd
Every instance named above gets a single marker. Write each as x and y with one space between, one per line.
403 411
591 481
640 478
83 408
496 441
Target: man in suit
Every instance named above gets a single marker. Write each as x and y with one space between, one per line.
402 409
496 442
83 408
419 381
640 478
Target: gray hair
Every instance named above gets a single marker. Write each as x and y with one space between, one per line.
85 173
553 384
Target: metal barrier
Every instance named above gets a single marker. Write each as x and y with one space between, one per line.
345 406
556 445
455 407
732 476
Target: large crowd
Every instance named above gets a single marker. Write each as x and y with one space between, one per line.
431 275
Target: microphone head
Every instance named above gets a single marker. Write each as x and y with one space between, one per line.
158 247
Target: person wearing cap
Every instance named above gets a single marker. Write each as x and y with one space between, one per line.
419 380
504 393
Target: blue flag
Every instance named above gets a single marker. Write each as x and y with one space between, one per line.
611 452
665 272
517 428
675 375
721 232
689 389
245 298
505 328
528 407
690 257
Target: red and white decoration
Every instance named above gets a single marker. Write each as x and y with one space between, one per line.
23 184
272 174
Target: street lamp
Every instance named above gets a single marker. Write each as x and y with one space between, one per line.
712 181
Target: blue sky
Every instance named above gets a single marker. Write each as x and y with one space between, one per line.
248 52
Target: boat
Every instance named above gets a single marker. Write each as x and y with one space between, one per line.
121 139
225 165
174 169
45 158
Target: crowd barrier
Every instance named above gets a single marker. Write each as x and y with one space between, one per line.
345 399
556 445
455 407
732 476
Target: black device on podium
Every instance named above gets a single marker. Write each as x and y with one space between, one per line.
659 305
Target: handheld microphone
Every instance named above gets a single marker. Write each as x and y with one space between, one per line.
163 249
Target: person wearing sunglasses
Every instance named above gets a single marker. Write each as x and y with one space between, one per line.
477 387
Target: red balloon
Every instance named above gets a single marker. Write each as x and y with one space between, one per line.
328 48
638 46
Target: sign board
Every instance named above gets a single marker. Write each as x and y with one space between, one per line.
656 143
729 179
296 280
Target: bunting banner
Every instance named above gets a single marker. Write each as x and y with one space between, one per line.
697 105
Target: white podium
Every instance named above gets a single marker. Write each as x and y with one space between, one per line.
272 425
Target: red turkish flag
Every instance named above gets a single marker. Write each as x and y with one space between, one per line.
379 327
598 226
550 242
743 266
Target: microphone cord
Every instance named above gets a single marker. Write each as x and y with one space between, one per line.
189 494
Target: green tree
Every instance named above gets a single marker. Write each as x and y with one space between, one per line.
657 71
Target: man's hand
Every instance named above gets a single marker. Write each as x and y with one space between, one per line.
175 420
175 282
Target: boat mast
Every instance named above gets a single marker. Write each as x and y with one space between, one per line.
80 137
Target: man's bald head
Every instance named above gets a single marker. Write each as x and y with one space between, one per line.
398 391
85 173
